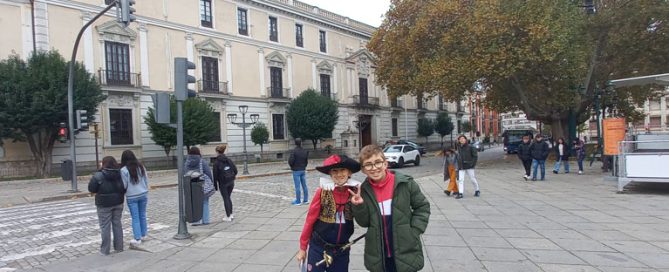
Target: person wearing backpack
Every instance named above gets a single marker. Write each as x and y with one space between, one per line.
225 172
109 192
195 163
136 184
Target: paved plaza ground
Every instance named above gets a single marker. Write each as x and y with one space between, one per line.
567 223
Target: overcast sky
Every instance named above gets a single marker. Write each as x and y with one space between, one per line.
366 11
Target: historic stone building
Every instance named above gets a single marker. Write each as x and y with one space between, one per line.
259 53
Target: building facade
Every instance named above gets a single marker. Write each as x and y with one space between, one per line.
258 53
517 120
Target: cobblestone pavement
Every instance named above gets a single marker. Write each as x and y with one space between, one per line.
37 234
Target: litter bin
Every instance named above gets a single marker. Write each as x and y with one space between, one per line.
66 170
193 198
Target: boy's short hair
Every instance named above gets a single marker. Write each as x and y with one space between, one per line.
369 151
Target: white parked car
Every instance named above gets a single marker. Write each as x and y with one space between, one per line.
398 155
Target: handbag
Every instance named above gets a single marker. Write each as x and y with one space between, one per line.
208 186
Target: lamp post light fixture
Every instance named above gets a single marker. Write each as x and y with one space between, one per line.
232 117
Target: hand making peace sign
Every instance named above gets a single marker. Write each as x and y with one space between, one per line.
356 199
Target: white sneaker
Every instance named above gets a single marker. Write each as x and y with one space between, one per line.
135 243
227 219
232 216
580 172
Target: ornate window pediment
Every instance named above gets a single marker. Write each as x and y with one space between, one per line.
113 31
209 48
324 68
363 61
275 59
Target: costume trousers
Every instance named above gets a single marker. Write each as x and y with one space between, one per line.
461 179
340 259
452 179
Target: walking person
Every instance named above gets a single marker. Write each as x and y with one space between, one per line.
450 169
195 163
109 192
225 173
298 161
136 183
525 156
561 156
395 212
539 151
579 150
329 222
467 157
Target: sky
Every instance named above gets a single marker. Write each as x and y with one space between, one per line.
366 11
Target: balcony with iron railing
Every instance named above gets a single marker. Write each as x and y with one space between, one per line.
396 104
278 93
212 86
366 101
119 78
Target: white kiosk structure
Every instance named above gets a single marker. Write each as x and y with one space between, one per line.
643 157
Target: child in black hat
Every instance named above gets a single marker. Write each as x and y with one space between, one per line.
329 223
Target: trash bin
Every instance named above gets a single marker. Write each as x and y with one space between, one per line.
193 198
66 170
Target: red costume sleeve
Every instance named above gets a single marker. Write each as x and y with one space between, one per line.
312 216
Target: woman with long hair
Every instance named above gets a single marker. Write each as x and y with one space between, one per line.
136 182
225 172
108 188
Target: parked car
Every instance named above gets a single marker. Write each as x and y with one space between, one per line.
398 155
417 146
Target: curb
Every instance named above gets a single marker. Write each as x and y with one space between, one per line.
152 187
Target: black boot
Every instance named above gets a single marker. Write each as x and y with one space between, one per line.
458 196
477 193
447 192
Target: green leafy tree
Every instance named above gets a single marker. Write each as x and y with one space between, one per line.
547 58
312 116
425 128
198 120
260 135
443 126
33 101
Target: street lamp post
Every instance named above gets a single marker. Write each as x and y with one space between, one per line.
232 117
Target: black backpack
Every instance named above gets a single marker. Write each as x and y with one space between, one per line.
228 170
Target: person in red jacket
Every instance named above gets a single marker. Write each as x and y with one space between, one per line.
329 223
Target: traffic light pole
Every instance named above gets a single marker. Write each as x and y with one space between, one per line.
70 95
182 231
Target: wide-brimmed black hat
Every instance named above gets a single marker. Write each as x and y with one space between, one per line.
338 161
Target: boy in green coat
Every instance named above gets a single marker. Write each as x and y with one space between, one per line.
395 212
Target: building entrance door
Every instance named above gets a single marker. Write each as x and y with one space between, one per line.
365 128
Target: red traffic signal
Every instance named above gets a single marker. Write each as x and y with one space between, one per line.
62 134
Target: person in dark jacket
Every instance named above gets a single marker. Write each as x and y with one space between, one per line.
109 192
579 150
525 156
539 151
467 157
395 212
298 161
561 156
194 162
225 172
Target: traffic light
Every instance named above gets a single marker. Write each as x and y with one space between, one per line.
182 79
62 133
82 120
127 12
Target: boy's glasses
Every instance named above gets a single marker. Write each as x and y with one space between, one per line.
376 164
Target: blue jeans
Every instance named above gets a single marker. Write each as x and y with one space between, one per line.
557 165
535 164
205 211
137 207
300 180
580 164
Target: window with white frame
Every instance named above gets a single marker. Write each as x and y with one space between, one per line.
242 22
322 41
278 127
273 29
206 18
299 36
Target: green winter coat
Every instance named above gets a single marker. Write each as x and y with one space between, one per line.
410 214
